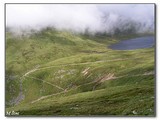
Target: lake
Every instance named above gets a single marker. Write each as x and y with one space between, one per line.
135 43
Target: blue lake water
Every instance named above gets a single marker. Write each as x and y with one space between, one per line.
136 43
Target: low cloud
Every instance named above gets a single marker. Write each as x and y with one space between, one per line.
108 18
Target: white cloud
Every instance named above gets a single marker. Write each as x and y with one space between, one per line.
78 17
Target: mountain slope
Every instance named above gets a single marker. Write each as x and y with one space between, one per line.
60 73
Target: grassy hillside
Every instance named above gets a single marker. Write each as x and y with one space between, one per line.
60 73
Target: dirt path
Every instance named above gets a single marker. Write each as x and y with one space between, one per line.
29 72
104 78
43 97
98 81
86 63
47 82
72 64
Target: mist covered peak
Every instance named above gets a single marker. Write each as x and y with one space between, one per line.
103 18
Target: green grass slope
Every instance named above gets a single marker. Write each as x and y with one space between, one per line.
63 74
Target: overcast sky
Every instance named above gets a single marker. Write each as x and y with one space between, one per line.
78 17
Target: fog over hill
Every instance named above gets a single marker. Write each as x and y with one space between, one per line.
81 18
